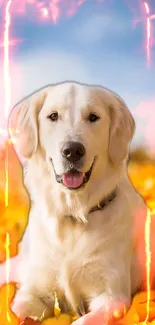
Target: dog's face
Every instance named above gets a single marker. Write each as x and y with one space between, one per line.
80 129
72 123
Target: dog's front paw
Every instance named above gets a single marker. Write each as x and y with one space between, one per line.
100 317
103 312
28 306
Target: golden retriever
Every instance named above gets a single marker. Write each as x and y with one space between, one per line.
80 240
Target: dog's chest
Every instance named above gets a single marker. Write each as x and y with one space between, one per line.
68 244
68 233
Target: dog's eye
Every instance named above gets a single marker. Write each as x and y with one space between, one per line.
93 117
53 117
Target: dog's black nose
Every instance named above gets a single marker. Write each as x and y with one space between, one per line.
73 151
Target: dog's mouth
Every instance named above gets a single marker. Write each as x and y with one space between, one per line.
74 179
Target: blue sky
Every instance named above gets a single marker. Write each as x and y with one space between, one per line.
96 45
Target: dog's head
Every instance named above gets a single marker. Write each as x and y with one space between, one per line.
79 128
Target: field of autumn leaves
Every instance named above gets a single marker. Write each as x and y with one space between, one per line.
13 220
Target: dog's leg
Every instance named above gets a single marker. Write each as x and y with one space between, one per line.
27 303
111 304
107 301
104 310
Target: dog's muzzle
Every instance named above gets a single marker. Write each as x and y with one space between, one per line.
74 179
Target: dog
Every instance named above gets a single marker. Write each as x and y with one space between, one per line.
80 241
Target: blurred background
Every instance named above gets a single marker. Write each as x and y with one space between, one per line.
106 42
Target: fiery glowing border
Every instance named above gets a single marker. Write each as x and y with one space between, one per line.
7 88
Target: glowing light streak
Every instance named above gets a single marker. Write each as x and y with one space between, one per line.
148 262
7 83
7 87
148 33
7 91
7 247
45 12
54 12
13 42
147 18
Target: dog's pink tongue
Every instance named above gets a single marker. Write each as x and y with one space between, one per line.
73 179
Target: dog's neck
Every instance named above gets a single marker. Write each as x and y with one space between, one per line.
104 202
59 202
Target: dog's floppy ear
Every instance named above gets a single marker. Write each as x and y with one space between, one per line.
121 130
23 124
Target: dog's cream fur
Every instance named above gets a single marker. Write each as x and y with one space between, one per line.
88 259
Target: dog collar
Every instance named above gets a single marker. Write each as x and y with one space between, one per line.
103 204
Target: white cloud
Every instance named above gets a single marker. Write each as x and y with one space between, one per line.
92 29
40 68
145 117
44 67
96 27
37 69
